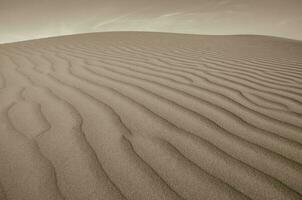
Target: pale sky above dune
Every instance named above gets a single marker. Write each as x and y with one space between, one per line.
30 19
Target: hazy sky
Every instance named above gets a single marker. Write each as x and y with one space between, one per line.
29 19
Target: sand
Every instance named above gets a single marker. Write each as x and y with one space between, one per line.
134 115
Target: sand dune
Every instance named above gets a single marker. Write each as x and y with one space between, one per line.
133 115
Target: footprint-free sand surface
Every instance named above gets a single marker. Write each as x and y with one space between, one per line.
155 116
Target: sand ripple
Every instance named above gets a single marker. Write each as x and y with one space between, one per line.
151 116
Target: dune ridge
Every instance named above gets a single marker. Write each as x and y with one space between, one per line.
134 115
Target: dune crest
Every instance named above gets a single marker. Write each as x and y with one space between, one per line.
133 115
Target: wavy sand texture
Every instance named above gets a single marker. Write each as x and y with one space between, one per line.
133 115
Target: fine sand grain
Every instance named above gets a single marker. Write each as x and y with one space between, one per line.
155 116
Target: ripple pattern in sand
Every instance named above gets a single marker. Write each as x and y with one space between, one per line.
151 116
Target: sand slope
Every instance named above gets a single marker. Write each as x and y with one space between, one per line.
135 115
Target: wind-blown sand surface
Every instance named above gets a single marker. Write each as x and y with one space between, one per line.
135 115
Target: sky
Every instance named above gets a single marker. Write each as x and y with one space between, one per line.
31 19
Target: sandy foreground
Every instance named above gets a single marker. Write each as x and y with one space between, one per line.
133 115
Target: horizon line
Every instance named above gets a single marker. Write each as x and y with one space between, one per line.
162 32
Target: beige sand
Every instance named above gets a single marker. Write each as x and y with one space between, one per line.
135 115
